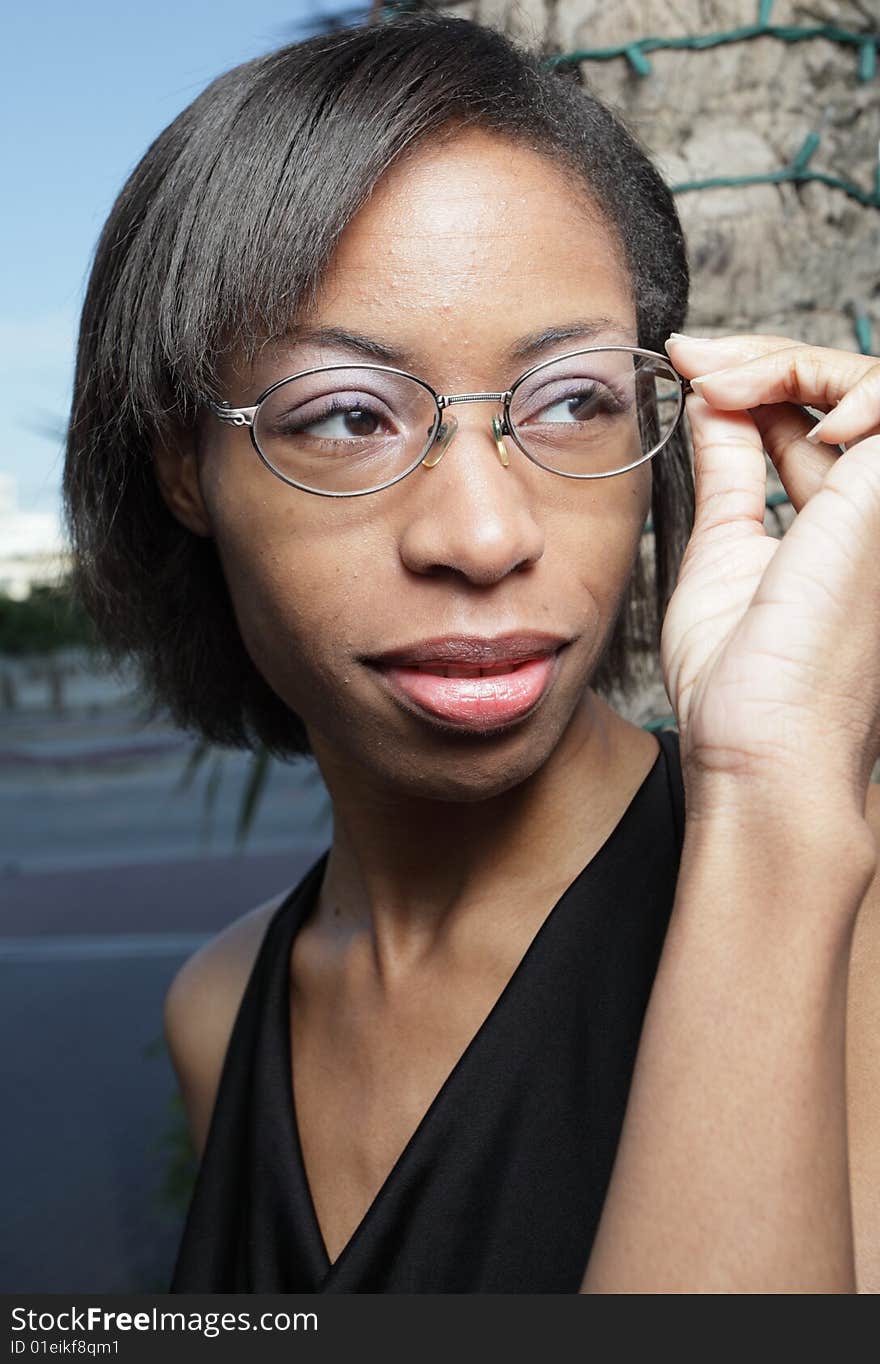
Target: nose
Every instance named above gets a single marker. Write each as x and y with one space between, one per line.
473 507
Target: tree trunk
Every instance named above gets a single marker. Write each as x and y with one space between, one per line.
795 259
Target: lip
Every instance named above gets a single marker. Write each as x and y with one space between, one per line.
477 651
477 703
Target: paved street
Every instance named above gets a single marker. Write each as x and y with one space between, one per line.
85 1109
110 875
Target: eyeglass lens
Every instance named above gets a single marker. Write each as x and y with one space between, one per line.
354 429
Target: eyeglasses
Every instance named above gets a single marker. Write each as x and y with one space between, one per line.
347 430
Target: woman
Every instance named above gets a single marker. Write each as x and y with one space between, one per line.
371 408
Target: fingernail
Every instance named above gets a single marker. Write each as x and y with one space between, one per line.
697 386
685 336
815 435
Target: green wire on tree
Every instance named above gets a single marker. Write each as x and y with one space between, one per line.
636 51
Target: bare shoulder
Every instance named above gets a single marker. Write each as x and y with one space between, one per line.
863 1072
200 1009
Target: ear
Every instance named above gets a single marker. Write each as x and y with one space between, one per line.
175 461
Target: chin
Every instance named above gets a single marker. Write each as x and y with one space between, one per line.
467 767
399 750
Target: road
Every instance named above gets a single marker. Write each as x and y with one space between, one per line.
110 875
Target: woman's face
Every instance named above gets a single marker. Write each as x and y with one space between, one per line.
463 252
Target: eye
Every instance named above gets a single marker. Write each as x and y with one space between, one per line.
338 417
342 422
572 401
578 406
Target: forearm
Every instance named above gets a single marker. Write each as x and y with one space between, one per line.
731 1173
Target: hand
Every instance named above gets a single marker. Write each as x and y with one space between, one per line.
770 648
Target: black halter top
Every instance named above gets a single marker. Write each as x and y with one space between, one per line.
500 1187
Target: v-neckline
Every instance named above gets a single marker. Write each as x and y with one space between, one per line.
318 1246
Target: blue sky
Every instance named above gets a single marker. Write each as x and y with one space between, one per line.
85 89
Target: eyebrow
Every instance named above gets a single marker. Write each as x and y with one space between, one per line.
526 348
531 346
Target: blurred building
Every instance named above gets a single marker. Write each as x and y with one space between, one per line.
32 548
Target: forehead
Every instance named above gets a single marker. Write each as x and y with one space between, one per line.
464 248
474 242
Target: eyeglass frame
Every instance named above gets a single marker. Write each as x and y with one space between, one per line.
247 416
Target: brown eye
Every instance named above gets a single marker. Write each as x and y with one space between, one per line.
336 422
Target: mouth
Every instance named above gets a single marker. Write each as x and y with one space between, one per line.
473 683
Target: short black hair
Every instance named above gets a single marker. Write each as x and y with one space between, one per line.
251 185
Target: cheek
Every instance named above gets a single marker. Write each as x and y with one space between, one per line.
603 540
297 589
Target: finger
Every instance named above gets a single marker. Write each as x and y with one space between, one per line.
730 471
843 523
695 355
856 415
801 465
814 375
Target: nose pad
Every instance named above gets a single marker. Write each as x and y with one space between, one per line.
445 431
498 432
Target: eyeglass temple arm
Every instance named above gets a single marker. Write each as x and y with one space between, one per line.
235 416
